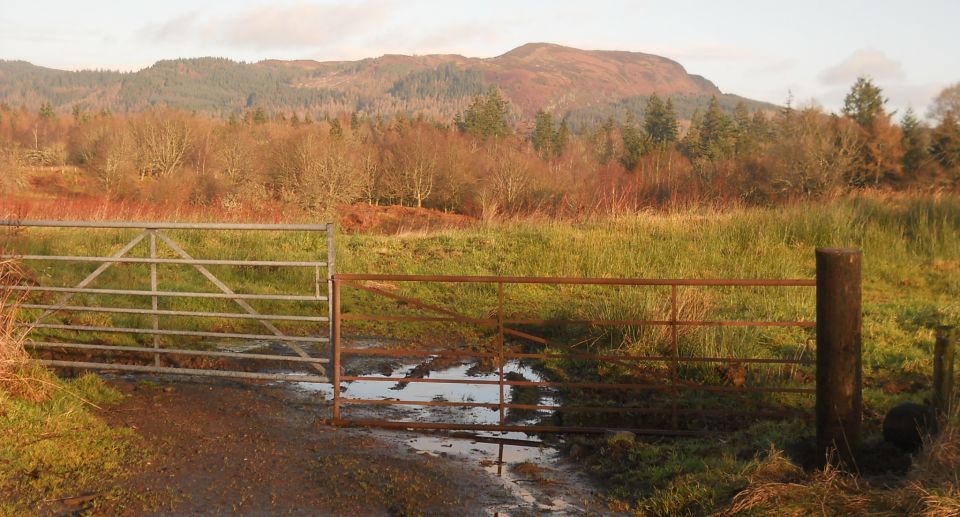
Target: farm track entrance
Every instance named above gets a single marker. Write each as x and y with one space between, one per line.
666 388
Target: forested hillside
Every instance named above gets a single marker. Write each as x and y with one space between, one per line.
590 86
480 163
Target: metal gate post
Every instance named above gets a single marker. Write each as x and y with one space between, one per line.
333 314
500 342
336 350
154 301
674 359
839 405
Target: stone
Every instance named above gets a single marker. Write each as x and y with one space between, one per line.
907 424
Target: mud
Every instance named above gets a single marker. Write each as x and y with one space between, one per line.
219 447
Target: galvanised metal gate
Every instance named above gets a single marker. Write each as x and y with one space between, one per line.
175 323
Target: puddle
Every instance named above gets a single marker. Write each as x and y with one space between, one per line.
538 477
541 482
429 391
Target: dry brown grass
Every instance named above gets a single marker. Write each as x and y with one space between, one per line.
935 476
931 488
18 375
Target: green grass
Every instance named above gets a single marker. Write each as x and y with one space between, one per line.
911 279
60 448
911 269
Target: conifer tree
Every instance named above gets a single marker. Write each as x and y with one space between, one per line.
561 137
946 142
46 110
916 142
864 103
544 135
717 136
692 141
660 121
486 116
633 144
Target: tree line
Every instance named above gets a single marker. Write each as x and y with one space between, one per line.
485 163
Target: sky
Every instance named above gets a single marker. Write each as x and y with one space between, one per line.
766 50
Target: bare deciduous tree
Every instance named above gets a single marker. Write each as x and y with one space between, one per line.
162 140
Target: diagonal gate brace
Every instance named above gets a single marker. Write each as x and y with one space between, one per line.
242 303
92 276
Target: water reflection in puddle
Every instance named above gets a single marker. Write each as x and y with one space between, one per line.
431 391
566 491
498 459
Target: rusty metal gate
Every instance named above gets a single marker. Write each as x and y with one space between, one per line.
138 310
653 388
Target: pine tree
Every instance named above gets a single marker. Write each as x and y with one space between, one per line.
717 134
544 135
671 130
604 141
692 144
916 142
741 127
486 116
881 150
46 110
946 142
864 103
660 121
633 144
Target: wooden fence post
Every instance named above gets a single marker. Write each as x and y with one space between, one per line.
839 405
943 375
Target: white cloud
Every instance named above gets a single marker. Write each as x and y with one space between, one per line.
864 62
276 26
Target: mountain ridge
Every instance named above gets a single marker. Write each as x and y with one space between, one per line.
533 76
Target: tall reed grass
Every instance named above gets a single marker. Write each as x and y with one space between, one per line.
19 376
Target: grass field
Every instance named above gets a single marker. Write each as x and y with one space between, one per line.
911 249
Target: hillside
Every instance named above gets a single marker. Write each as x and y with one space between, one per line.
587 83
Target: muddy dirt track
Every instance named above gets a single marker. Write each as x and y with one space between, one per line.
256 449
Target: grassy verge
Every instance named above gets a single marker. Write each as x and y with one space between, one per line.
56 450
56 455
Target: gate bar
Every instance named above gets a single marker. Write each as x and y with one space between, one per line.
265 337
175 351
393 424
164 225
154 260
183 371
176 294
717 282
162 312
